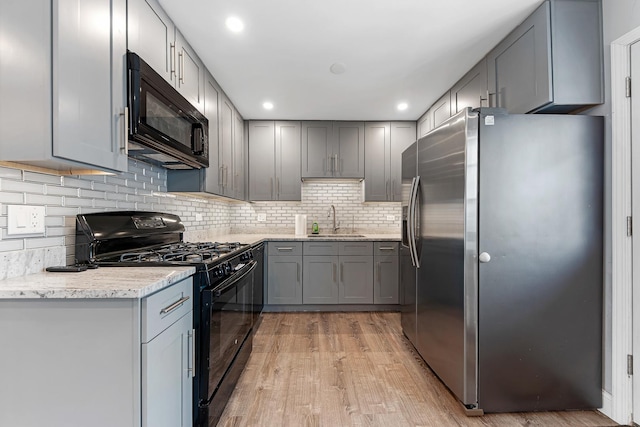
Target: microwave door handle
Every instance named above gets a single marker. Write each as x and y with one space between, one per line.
197 138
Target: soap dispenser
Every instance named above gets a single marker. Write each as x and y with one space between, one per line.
314 228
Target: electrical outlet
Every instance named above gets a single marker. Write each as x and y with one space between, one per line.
391 217
262 217
25 219
199 217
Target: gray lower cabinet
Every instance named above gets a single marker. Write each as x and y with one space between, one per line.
356 279
332 150
274 160
384 144
552 62
70 79
471 90
98 362
284 273
386 273
320 283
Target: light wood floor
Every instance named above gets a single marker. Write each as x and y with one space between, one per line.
354 369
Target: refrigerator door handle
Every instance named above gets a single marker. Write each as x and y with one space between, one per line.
413 221
408 223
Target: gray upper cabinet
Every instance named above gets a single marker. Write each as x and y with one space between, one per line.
262 160
239 156
332 149
552 62
377 139
441 110
471 90
151 34
154 37
425 124
225 153
403 134
70 78
190 78
384 144
274 160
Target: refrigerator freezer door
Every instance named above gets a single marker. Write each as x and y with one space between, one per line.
407 269
540 302
447 278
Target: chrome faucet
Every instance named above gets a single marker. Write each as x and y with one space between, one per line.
332 209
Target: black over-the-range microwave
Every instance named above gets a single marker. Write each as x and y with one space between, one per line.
164 128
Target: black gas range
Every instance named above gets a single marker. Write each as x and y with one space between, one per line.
224 305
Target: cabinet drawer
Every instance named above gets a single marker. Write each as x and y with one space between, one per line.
320 248
385 248
162 309
355 248
285 248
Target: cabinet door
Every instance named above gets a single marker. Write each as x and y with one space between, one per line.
239 156
226 147
211 103
356 280
288 144
167 376
471 90
317 149
151 35
320 282
519 68
425 124
25 80
89 94
348 149
262 160
385 283
377 139
190 80
441 110
403 134
284 279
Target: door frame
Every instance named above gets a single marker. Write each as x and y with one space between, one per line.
619 404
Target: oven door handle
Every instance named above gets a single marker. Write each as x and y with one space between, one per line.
227 283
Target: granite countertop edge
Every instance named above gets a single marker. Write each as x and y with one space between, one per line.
254 239
100 283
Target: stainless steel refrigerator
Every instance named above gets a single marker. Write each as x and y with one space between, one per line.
502 258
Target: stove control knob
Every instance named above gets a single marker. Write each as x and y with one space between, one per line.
226 268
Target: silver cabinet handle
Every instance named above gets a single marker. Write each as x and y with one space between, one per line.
484 257
333 269
284 249
220 181
386 248
173 306
331 160
192 348
341 272
393 189
172 55
124 146
337 167
378 271
271 186
298 272
181 65
277 187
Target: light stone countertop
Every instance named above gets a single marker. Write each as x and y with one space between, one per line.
103 282
254 239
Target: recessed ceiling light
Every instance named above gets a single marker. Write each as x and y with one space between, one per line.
267 105
234 24
402 106
338 68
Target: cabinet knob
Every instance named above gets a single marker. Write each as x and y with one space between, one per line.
484 257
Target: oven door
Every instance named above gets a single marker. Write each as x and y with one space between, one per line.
228 321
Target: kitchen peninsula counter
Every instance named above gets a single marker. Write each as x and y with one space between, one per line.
103 282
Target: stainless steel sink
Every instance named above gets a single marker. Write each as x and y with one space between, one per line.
341 236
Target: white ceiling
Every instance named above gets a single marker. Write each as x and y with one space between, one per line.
394 51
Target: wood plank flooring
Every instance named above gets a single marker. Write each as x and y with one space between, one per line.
354 369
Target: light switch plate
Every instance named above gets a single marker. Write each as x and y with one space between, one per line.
262 217
391 217
25 219
199 217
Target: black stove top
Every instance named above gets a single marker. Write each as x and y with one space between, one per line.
136 238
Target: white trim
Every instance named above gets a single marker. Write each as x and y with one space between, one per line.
607 404
622 262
